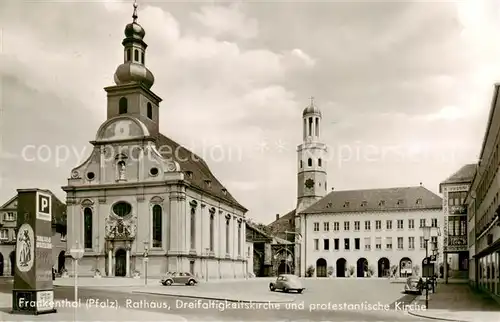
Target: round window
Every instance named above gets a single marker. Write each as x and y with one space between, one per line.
153 171
122 209
90 175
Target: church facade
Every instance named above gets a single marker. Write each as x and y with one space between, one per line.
143 202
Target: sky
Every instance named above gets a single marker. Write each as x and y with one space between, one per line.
404 87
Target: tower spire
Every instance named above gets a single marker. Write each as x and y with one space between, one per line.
134 15
312 100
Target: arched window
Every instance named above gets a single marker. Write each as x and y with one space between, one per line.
310 126
193 228
122 209
212 232
319 162
239 239
136 55
142 58
157 231
122 105
87 227
129 55
150 111
316 128
301 164
309 162
227 235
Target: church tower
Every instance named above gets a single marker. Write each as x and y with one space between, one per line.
311 160
132 94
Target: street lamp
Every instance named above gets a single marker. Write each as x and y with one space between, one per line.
427 236
77 254
145 259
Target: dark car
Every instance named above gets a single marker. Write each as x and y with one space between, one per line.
179 278
286 283
414 284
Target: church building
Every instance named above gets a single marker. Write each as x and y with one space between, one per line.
143 203
357 232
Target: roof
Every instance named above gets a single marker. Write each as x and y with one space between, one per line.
388 199
464 175
283 222
8 203
197 170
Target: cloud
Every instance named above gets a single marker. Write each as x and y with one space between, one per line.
416 76
228 20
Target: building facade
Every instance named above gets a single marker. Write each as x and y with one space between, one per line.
366 233
141 195
8 231
455 230
483 207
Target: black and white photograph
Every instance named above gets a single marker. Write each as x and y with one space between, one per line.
250 160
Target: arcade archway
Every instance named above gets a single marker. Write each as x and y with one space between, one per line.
341 267
321 268
12 259
61 259
384 267
362 267
405 267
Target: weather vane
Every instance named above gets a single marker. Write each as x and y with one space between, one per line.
134 15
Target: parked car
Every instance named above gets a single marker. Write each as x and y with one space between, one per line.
179 278
286 283
414 285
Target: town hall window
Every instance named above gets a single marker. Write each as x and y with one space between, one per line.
157 222
122 105
87 226
150 111
193 228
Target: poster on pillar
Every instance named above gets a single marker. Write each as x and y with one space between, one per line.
33 289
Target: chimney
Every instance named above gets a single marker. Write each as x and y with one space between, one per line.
277 216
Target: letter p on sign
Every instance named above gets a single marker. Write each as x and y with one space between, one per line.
43 207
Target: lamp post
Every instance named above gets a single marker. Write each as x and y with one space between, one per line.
146 259
206 263
427 236
435 253
77 254
96 252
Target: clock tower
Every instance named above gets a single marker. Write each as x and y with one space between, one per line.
311 160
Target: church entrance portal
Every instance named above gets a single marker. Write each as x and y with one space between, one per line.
121 262
341 263
284 268
12 258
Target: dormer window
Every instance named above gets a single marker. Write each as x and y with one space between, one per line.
224 191
400 202
381 203
329 205
419 201
346 204
208 183
189 174
364 203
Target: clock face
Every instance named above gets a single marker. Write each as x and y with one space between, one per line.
309 183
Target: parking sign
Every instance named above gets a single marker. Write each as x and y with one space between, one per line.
43 205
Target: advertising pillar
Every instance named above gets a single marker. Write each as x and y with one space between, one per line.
33 291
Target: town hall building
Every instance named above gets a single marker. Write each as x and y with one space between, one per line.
358 232
142 195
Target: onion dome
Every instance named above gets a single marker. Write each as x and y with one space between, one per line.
311 109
